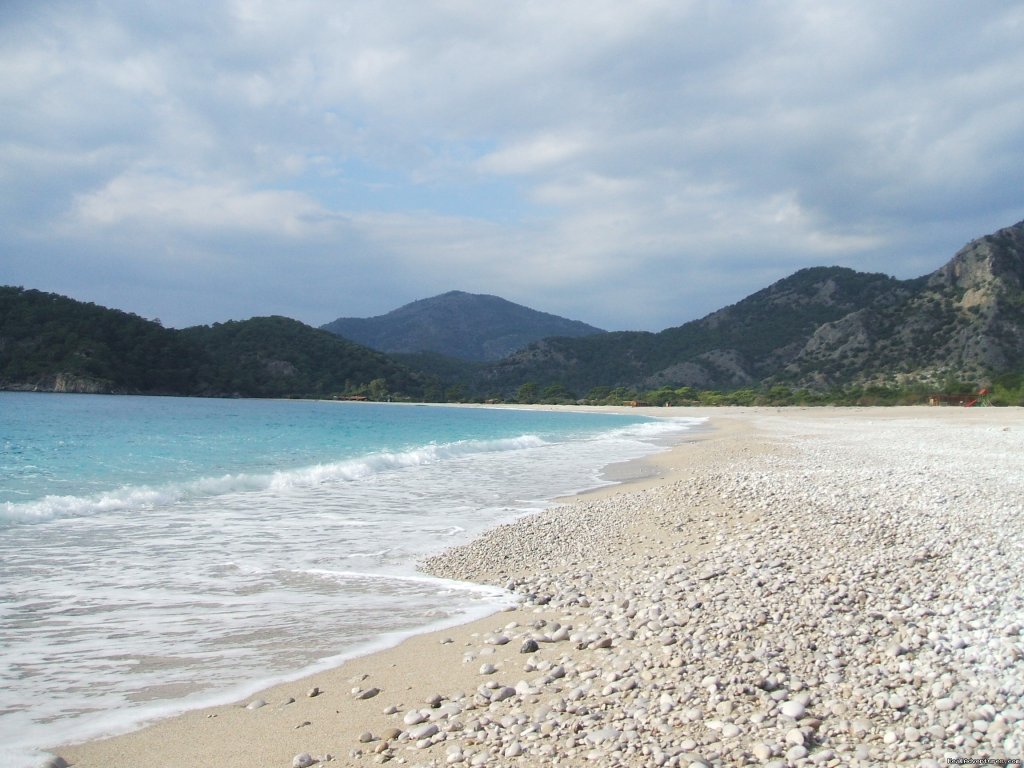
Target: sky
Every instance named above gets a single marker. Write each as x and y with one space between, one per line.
633 165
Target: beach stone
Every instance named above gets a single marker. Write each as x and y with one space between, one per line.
793 709
424 731
55 762
415 717
303 760
860 726
365 737
730 731
256 704
369 693
796 752
603 734
505 692
390 734
761 751
795 736
530 646
313 692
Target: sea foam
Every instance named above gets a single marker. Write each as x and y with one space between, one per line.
130 498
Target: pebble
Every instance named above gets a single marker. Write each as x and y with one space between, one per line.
797 752
795 736
415 717
792 709
761 752
423 731
303 760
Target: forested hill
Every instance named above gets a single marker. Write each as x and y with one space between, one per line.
53 343
466 326
277 356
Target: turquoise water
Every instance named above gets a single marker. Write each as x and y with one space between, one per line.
158 554
74 455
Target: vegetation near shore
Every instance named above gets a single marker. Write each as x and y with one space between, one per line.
1007 390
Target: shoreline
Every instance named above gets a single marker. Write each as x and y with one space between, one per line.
653 520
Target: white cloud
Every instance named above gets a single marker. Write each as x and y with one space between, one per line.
534 155
539 148
166 205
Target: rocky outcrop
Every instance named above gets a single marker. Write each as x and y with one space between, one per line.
65 383
965 319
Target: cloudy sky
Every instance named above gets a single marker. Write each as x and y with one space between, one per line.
631 164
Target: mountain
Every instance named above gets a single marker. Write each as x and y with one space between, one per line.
820 327
467 326
965 319
56 344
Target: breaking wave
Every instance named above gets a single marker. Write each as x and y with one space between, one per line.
128 498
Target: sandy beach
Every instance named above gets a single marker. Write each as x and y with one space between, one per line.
789 587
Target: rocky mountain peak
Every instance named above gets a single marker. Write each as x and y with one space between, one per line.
993 261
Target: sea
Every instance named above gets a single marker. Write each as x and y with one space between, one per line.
162 554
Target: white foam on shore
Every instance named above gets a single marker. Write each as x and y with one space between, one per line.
26 752
143 497
137 498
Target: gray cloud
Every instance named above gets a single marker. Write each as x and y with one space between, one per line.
632 165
